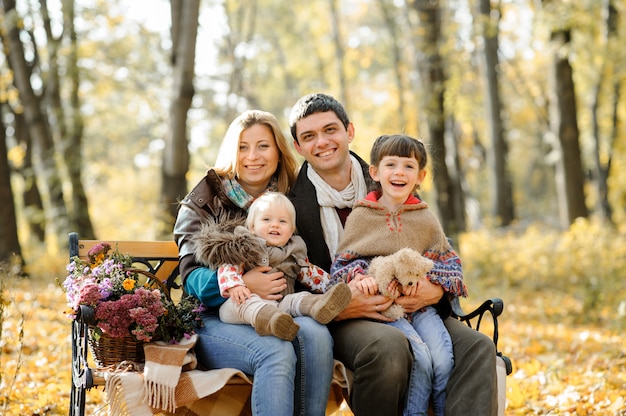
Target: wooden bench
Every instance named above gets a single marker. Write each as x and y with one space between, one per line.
161 259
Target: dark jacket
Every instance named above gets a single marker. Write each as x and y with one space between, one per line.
206 199
308 220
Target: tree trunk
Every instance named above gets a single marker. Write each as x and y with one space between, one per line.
33 205
503 207
37 122
433 88
567 128
9 243
335 21
392 26
602 170
176 152
241 19
80 219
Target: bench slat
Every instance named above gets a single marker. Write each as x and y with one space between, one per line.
147 249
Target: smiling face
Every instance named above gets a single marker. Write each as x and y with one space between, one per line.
274 224
398 177
257 158
324 142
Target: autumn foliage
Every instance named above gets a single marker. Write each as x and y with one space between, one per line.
565 311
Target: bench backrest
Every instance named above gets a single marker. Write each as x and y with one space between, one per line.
158 257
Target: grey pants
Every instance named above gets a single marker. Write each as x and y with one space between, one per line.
472 387
380 357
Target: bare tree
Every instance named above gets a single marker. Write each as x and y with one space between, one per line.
67 131
9 243
33 204
612 47
335 20
503 207
36 117
176 153
433 89
392 26
80 220
564 116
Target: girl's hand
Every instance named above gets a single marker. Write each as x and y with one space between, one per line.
412 290
394 288
427 294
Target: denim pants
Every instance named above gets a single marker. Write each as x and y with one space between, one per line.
432 362
289 378
314 368
430 328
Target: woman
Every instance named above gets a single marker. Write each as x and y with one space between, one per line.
254 157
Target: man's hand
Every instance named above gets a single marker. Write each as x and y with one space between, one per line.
367 285
427 294
266 285
364 306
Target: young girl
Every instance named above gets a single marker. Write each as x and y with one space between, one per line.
397 218
268 239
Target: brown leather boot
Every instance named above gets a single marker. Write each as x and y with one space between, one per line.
324 308
272 321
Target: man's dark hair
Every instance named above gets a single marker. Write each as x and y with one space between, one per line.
316 103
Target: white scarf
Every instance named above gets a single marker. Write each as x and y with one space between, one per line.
329 199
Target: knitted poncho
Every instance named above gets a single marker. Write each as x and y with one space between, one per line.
373 230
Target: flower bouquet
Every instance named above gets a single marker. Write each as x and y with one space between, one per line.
127 307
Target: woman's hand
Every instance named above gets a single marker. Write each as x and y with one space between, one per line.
364 306
266 285
427 294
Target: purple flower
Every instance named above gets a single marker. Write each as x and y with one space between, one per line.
123 307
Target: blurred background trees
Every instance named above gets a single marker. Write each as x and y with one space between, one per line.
109 109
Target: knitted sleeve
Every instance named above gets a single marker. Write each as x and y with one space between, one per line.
347 265
447 271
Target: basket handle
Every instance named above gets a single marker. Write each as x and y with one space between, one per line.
152 277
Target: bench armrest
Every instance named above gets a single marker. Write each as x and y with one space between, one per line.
494 307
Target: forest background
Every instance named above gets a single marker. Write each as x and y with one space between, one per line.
110 110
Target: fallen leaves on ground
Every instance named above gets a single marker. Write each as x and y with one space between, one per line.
559 368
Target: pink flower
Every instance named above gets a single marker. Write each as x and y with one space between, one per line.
123 307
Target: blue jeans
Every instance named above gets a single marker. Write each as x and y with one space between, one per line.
433 361
314 368
273 363
420 384
431 329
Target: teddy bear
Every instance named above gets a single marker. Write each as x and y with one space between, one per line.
407 266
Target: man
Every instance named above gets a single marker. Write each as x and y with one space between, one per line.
330 181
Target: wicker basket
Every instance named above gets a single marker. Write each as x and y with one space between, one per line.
108 350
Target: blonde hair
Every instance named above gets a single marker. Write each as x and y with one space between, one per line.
269 201
226 162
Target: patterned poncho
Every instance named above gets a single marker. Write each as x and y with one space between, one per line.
373 230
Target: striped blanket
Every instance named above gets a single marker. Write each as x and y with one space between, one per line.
169 383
